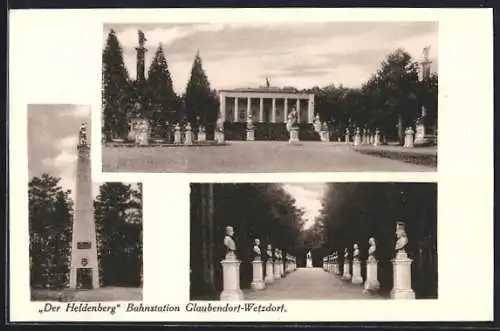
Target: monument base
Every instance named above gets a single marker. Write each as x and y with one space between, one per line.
269 279
231 280
401 266
371 283
294 136
402 294
202 136
356 273
250 135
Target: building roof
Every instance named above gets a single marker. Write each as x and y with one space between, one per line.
264 90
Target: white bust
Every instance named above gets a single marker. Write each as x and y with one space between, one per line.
371 249
402 239
256 249
355 254
269 252
346 254
229 243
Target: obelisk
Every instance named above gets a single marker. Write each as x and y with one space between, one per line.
84 270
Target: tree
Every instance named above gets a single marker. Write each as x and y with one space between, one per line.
162 100
118 215
199 100
116 89
50 228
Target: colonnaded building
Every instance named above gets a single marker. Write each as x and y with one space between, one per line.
269 107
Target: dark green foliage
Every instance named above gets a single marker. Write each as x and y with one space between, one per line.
118 214
117 92
199 100
50 223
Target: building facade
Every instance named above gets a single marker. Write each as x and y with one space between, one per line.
267 105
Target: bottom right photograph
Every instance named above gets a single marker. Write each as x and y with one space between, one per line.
313 241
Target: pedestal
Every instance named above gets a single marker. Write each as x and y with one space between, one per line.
371 283
269 279
356 272
294 136
347 272
277 270
177 137
220 137
231 280
401 266
365 139
250 135
142 139
202 136
376 140
309 263
420 135
188 138
357 140
347 139
257 281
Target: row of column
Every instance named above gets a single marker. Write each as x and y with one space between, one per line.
401 263
275 267
296 105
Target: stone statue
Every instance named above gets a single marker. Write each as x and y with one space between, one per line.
371 249
229 243
269 251
220 124
358 131
201 128
309 255
83 134
347 131
256 249
142 38
402 240
425 51
355 254
188 127
292 119
346 254
276 254
250 125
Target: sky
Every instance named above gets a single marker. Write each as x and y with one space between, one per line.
52 140
307 196
299 54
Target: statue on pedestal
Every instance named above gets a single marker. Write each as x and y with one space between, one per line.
83 134
269 252
371 249
229 243
250 125
292 122
256 249
220 124
346 254
402 239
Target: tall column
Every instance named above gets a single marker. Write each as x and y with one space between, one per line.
286 110
261 110
222 106
298 110
235 109
273 111
249 106
310 109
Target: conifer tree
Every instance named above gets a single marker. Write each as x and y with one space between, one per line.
199 100
115 89
162 100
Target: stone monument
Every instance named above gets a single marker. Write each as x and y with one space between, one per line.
258 272
230 270
317 123
421 135
401 265
269 279
356 266
357 137
409 141
202 136
293 127
347 266
277 274
250 128
188 135
219 130
177 134
347 136
371 283
364 140
325 132
376 138
84 268
309 263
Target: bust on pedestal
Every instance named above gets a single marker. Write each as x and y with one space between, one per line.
258 273
269 265
409 138
376 138
356 266
357 137
347 266
293 127
188 133
309 263
250 128
202 136
401 266
219 130
177 134
230 270
371 283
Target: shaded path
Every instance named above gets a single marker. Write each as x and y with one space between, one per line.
310 284
249 157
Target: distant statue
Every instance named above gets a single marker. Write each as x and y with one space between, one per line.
269 251
256 249
188 127
425 51
229 243
402 239
346 254
347 131
142 38
355 254
83 134
371 249
220 124
292 119
276 254
250 125
267 82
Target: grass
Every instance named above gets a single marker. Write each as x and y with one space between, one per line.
427 160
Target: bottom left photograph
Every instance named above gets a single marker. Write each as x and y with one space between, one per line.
85 238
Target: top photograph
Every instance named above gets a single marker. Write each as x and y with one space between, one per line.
269 97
